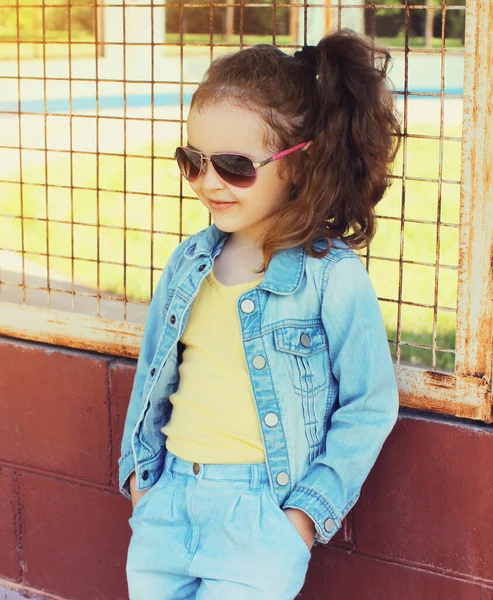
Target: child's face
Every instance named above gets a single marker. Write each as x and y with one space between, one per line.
225 128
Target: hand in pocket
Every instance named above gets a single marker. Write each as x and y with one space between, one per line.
135 494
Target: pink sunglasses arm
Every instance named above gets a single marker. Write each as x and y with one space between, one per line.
289 150
281 154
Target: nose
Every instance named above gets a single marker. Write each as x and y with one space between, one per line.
210 179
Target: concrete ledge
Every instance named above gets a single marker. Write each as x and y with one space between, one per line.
6 594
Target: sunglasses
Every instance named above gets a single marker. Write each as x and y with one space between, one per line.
235 169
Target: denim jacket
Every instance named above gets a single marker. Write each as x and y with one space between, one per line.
320 368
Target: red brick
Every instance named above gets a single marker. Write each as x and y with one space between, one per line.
122 375
9 522
429 498
57 415
340 575
75 539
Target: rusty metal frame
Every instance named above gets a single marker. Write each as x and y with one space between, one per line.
468 391
75 330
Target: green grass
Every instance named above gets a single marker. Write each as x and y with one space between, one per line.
418 42
418 283
123 200
50 35
205 38
116 210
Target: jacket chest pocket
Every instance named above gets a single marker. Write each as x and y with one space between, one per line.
304 350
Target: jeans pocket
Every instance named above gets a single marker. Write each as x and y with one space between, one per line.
289 525
143 500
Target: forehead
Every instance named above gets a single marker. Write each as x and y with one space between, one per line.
225 128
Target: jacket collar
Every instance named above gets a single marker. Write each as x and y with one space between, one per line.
285 270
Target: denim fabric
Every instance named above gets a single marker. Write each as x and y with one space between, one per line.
215 535
319 363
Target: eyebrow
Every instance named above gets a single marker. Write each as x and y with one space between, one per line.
197 150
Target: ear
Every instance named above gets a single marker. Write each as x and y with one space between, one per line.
307 147
297 176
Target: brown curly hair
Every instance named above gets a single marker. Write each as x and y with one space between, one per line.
337 95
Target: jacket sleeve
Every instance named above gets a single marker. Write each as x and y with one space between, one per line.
368 408
152 333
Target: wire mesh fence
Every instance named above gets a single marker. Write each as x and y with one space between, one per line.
94 101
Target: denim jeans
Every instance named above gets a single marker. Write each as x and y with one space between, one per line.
213 532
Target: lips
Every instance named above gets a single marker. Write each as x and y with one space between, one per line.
220 205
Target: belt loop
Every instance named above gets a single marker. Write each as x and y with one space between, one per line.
254 480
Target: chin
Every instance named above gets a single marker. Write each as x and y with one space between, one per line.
224 227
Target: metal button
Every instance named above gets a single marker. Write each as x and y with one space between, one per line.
172 319
145 475
305 340
153 370
202 267
282 478
196 468
247 306
329 525
259 362
271 419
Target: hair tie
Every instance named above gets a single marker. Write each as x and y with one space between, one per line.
308 54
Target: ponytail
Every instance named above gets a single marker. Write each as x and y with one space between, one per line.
356 136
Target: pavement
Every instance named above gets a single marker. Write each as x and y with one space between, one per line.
62 296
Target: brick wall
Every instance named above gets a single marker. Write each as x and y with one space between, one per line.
422 529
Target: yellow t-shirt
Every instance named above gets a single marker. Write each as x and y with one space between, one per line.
214 418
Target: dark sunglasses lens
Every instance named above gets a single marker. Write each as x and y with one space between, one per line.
235 169
188 163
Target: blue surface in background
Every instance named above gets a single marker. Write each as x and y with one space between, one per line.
63 105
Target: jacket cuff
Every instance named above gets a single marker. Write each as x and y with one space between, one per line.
326 518
126 468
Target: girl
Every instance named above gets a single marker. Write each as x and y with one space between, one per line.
264 388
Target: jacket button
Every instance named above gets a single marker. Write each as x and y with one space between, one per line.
247 306
282 478
329 525
305 340
145 475
271 419
202 267
172 319
153 370
259 362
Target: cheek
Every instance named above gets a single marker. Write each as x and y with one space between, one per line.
245 196
196 188
273 190
274 178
